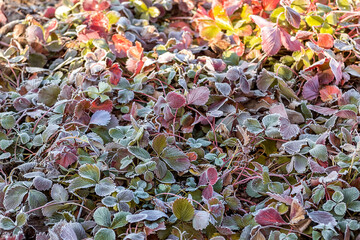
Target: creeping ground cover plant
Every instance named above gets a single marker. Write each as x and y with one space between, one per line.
181 119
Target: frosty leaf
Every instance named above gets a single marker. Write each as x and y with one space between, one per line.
101 118
288 130
139 153
253 126
90 171
322 217
265 79
176 159
14 196
198 96
102 216
325 40
292 17
42 183
175 100
105 234
311 88
201 220
269 216
48 94
223 88
319 152
271 40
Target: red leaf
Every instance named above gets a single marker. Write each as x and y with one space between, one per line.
269 216
212 175
50 12
122 44
348 114
325 40
288 43
99 23
271 37
208 192
97 105
261 22
175 100
329 93
311 88
52 26
87 35
115 75
322 110
270 5
198 96
67 159
94 5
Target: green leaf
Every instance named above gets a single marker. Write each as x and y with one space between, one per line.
354 206
340 208
14 196
119 220
209 31
337 196
105 187
343 5
183 209
271 120
36 199
264 80
4 144
90 171
140 153
102 217
6 223
48 94
176 159
105 234
21 219
159 143
79 183
350 194
253 126
314 20
319 151
8 121
329 205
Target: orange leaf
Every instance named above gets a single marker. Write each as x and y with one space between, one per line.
329 93
325 40
97 105
122 44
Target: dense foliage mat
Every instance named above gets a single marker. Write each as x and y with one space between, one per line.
180 119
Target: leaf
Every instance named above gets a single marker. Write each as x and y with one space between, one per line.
94 5
319 152
105 234
97 105
119 220
201 220
102 217
59 193
198 96
297 212
293 17
314 20
90 171
322 217
42 183
269 216
14 197
175 100
175 158
105 187
271 40
253 126
7 224
183 209
270 5
8 121
288 42
101 118
265 79
139 153
288 130
221 18
311 88
329 93
261 22
159 143
80 183
223 88
154 215
325 40
209 31
354 206
48 94
336 69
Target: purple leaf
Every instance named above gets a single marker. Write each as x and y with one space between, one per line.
322 217
269 216
311 88
322 110
198 96
101 118
292 17
271 43
348 114
289 44
175 100
336 69
288 130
